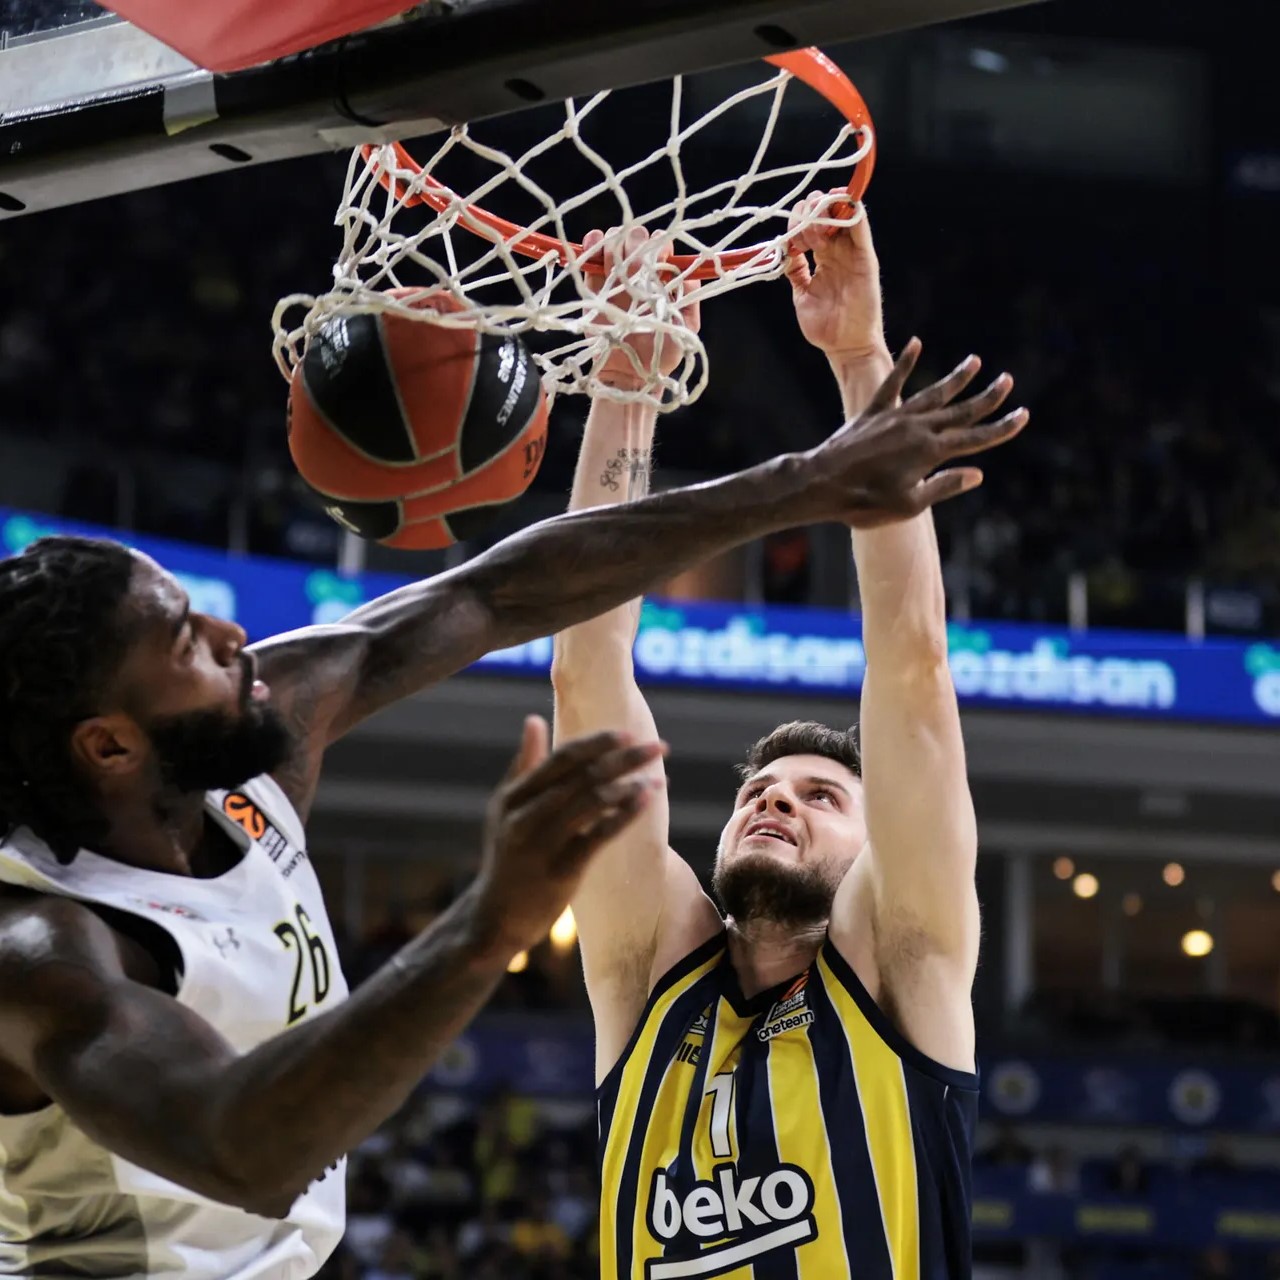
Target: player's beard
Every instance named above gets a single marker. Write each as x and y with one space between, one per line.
756 887
209 750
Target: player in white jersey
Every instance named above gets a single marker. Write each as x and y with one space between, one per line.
180 1075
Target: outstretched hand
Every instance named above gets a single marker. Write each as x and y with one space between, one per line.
881 467
552 812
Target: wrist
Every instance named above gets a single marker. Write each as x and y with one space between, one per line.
637 420
791 494
485 947
618 380
858 373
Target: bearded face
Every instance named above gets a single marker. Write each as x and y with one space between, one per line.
797 827
212 749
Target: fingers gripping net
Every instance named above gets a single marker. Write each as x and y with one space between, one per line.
624 294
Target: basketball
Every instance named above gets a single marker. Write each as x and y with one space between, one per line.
412 434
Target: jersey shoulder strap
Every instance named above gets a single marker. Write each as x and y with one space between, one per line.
263 812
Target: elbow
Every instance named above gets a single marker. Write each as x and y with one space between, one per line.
263 1197
925 652
581 666
239 1180
267 1202
567 675
254 1172
917 662
275 1194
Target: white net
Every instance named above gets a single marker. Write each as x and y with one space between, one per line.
533 279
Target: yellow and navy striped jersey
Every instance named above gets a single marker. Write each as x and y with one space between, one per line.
795 1135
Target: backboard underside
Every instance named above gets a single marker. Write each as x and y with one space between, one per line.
91 106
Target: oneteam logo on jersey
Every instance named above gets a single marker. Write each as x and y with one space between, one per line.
746 1216
787 1014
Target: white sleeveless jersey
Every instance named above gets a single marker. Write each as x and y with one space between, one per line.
258 955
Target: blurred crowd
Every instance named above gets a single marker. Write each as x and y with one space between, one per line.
549 981
1118 1020
1081 1017
505 1188
499 1190
1130 1171
137 385
1153 455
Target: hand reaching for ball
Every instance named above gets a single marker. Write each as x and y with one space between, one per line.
641 357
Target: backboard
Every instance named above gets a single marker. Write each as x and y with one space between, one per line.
91 106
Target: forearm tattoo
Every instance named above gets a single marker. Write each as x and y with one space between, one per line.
628 469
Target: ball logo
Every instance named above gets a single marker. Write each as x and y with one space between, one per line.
245 814
506 360
752 1215
335 345
337 513
513 366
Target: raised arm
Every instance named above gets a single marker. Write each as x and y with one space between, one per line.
907 914
564 571
639 906
917 871
148 1079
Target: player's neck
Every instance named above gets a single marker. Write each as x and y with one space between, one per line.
159 832
766 952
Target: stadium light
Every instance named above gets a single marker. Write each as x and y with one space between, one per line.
1085 885
1275 881
1173 874
1064 868
564 933
519 963
1131 904
1197 942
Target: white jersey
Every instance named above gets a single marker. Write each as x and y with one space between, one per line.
258 955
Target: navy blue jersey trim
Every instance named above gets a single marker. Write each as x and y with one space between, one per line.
664 984
846 1127
910 1055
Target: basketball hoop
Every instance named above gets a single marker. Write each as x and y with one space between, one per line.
535 278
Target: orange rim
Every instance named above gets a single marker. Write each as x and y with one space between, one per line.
811 66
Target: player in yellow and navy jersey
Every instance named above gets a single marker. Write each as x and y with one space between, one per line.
787 1085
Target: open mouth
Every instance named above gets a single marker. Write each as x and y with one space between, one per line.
770 833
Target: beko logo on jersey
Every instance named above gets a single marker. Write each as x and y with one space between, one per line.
786 1015
760 1213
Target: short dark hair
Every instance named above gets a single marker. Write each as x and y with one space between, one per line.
60 643
804 738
